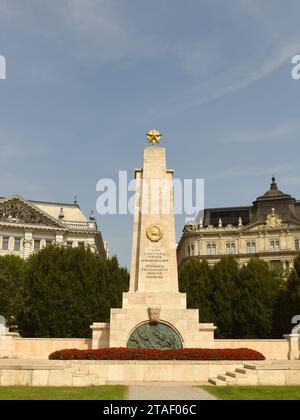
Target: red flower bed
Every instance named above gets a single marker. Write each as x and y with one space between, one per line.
153 354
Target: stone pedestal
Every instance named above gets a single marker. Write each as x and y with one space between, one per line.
294 346
153 289
100 334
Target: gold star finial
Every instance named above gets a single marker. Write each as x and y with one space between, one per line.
154 136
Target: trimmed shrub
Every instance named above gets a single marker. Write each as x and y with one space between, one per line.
154 354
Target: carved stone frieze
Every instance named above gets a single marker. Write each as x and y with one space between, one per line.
15 211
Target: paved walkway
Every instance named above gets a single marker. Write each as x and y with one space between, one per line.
177 393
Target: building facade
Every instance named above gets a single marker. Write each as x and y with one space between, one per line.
28 226
269 229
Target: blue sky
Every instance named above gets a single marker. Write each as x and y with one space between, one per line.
87 78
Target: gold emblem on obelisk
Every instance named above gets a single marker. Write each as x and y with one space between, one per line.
154 136
154 233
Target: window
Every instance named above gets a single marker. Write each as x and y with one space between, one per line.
230 248
211 249
69 244
37 245
17 244
5 244
274 246
251 247
81 244
48 243
227 249
297 245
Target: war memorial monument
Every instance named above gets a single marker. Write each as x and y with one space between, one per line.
154 313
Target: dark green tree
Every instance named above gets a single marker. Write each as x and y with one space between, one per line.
224 296
289 303
11 287
258 291
66 289
195 280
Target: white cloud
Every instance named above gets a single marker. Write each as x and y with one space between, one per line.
280 132
197 58
236 78
102 31
251 171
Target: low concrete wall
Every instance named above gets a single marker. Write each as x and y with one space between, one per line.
279 373
88 373
271 349
37 348
93 373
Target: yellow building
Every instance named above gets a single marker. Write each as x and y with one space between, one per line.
269 230
28 226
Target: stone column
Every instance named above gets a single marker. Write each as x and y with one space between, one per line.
27 244
294 344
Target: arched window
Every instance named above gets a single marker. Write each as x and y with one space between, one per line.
251 247
275 246
211 249
230 248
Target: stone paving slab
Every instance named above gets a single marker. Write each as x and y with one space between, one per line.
177 393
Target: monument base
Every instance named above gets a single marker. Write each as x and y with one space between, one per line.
135 312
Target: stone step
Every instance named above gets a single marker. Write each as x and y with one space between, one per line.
245 371
222 378
236 374
225 378
217 382
248 366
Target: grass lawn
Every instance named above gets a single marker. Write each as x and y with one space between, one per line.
113 392
255 392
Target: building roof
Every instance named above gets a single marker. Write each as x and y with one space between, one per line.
284 204
273 192
71 212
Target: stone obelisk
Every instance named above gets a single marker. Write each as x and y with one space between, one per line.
154 313
153 263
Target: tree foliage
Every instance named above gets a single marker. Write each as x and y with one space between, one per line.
224 277
195 279
59 292
244 302
11 287
258 291
65 290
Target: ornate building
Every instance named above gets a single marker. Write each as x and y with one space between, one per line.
28 226
269 229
